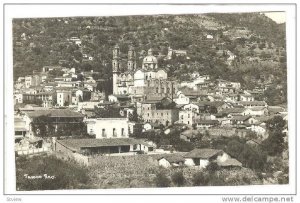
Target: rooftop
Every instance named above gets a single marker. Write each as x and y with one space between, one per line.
173 158
203 153
230 162
77 144
54 113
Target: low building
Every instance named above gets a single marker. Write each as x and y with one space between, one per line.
202 157
20 129
205 124
102 146
188 117
56 117
171 160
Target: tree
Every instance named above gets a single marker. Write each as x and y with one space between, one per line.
42 126
55 73
200 179
212 167
133 116
162 179
274 144
178 178
108 112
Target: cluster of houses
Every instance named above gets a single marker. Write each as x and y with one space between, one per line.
201 105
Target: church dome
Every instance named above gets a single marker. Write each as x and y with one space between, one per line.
150 59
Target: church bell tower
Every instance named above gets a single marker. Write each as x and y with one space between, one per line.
116 68
131 64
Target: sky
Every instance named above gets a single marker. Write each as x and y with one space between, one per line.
278 17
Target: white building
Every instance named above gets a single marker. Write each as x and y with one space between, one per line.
108 127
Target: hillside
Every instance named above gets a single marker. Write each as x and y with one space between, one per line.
256 42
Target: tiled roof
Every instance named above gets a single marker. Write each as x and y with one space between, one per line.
234 110
173 158
77 144
230 162
262 103
240 118
203 122
54 113
203 153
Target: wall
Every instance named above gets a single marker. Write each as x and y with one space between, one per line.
203 163
162 116
96 126
164 163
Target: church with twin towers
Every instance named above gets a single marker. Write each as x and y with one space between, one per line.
143 82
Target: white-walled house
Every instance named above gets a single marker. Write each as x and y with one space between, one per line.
171 160
181 99
108 127
202 157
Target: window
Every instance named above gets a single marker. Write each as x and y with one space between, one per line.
188 115
181 116
114 132
122 132
103 132
162 114
157 90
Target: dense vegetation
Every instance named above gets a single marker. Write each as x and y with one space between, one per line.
60 174
46 43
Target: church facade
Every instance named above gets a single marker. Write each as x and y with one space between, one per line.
140 82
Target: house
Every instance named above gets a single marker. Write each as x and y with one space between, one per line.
188 117
202 157
251 104
20 129
181 99
246 97
104 128
275 110
258 111
189 134
57 117
101 146
236 111
161 111
205 124
230 163
118 98
64 96
239 120
171 160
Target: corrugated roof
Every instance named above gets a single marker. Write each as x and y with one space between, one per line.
203 153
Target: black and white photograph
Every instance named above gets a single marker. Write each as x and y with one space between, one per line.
132 101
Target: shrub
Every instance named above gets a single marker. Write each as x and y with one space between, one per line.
162 180
178 178
212 167
199 179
